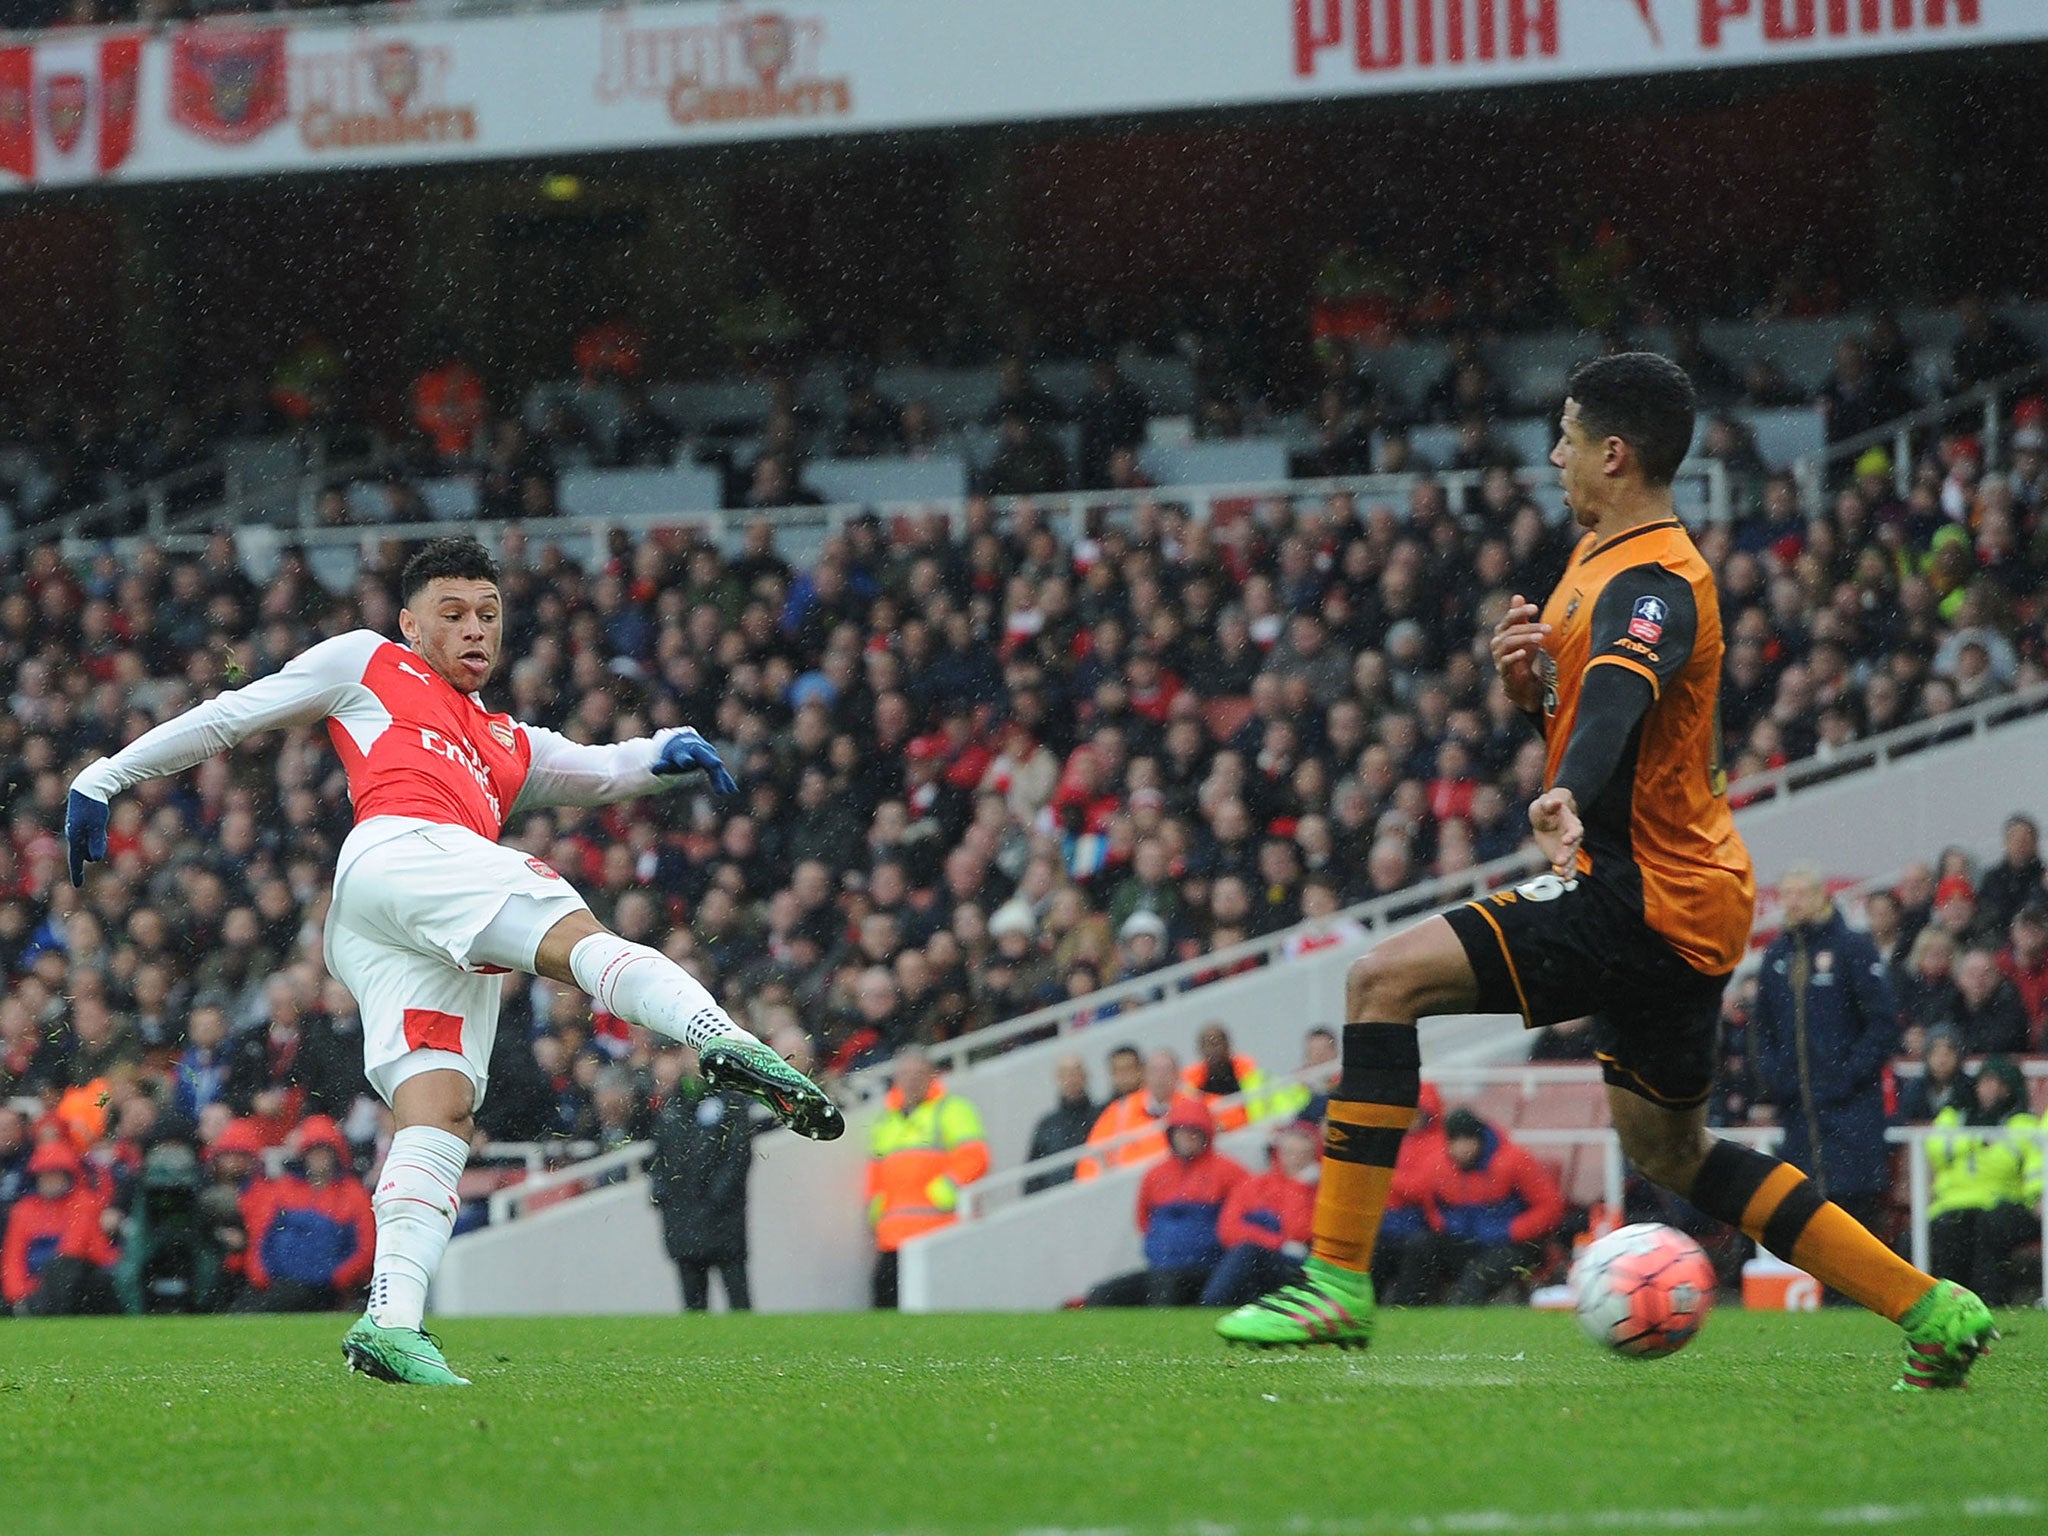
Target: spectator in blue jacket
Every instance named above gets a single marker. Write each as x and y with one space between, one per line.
312 1235
1826 1023
1180 1203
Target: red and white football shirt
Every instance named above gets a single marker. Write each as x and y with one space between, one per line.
413 744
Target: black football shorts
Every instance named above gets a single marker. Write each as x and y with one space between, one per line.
1552 950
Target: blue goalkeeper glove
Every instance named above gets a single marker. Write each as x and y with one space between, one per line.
85 832
680 753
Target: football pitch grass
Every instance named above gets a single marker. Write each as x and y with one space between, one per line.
1134 1423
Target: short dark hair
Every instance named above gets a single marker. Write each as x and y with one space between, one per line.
1643 399
460 559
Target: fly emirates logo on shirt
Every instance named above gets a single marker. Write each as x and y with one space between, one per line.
463 754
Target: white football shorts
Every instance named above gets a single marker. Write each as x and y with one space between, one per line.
411 899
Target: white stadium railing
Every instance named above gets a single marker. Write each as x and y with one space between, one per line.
629 1161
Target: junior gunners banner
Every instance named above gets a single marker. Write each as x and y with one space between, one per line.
242 98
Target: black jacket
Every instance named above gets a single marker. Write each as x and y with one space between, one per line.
1820 1052
1059 1130
2000 1024
703 1147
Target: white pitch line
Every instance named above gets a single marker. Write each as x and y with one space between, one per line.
1484 1522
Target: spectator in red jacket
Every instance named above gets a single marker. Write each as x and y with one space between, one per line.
1180 1204
57 1254
1489 1205
312 1235
1266 1221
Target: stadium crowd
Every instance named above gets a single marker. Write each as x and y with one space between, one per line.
982 769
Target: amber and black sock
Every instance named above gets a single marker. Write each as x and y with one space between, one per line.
1371 1109
1778 1206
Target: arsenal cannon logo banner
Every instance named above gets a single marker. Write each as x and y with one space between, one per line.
67 109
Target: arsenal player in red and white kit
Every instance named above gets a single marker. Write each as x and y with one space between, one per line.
429 908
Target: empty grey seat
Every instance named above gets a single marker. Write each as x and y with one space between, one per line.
939 478
1786 434
452 498
627 492
1239 461
263 474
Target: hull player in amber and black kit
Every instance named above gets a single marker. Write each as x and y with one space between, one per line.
1645 912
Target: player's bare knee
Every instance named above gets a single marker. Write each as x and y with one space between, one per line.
1379 986
1670 1161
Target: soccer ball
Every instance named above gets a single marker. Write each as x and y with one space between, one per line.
1643 1290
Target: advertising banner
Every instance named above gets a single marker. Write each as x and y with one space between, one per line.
242 98
67 108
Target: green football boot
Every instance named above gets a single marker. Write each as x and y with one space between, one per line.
1946 1330
404 1355
745 1065
1330 1306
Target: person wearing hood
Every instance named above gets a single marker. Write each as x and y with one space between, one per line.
312 1234
1987 1177
1016 978
1180 1204
1826 1024
1488 1204
1267 1220
57 1256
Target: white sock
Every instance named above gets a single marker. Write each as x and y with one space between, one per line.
415 1203
643 986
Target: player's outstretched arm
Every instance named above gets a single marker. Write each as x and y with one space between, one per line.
305 690
565 772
